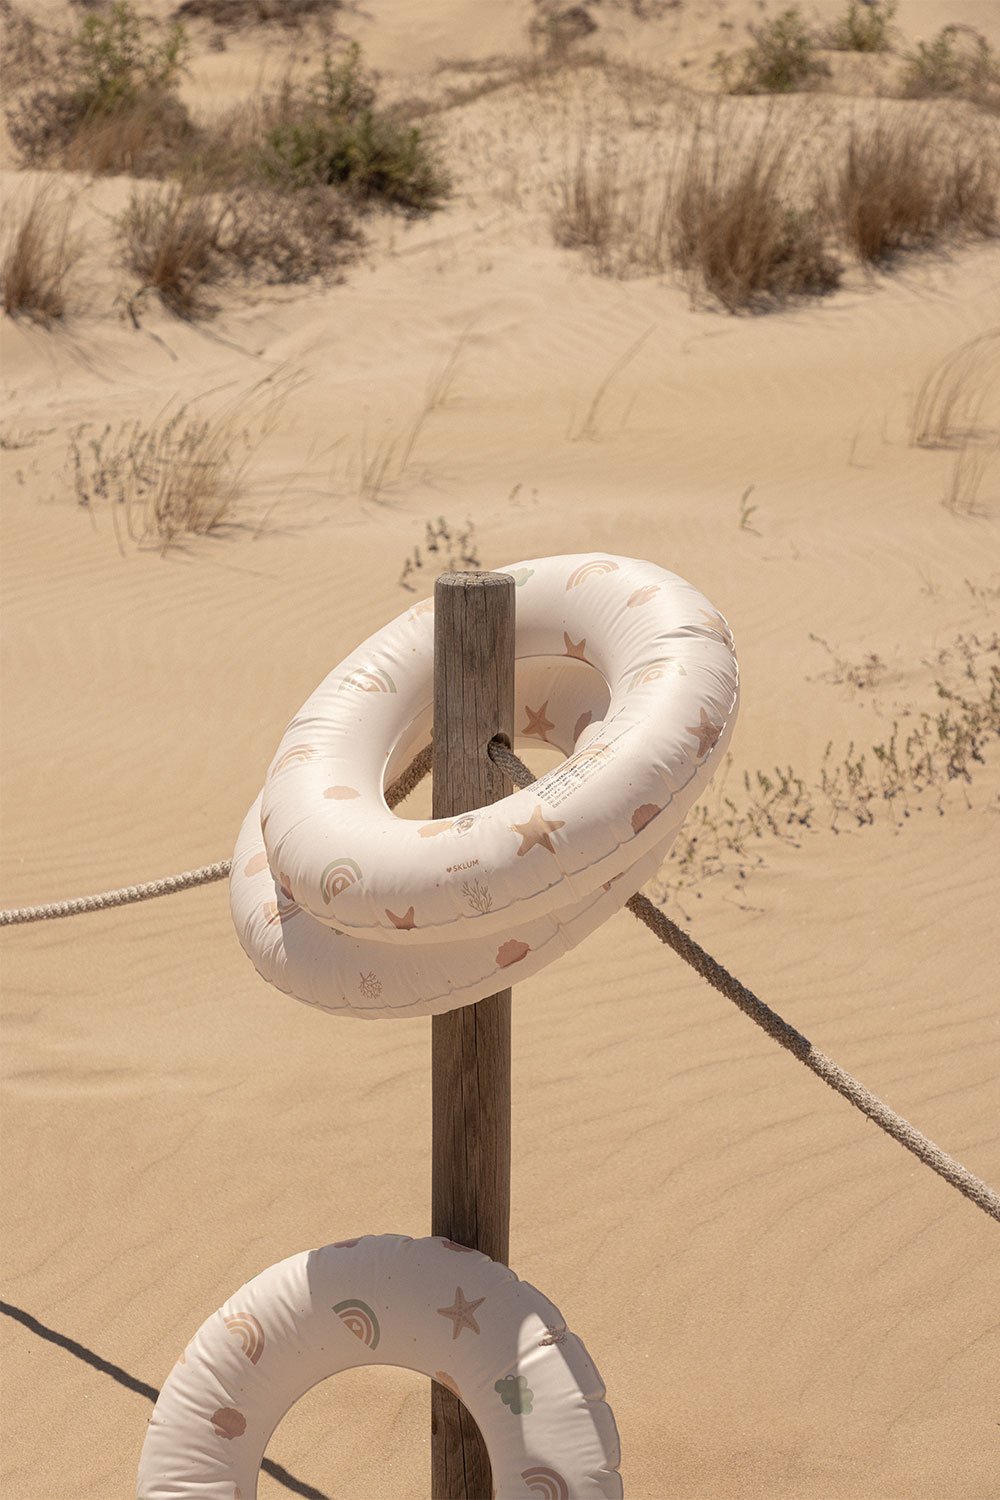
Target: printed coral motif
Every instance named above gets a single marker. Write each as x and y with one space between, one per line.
590 570
249 1332
341 793
478 896
545 1482
345 1244
370 985
575 649
511 952
228 1422
537 831
538 725
405 923
515 1392
359 1319
644 815
461 1312
448 1381
256 864
706 733
643 596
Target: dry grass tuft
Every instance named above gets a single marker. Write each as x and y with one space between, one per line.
171 242
39 254
948 407
183 474
740 218
747 229
905 182
181 241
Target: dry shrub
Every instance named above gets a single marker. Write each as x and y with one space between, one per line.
739 216
183 240
863 27
23 46
906 181
183 474
39 254
290 13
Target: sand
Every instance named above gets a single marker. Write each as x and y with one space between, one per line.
782 1302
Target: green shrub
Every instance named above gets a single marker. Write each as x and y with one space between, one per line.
115 106
958 62
863 28
334 135
782 59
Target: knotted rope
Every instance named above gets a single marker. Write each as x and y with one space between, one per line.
967 1183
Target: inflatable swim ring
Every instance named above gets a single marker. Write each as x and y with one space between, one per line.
621 665
427 1305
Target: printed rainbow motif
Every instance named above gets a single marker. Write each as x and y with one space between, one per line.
359 1318
590 570
291 757
546 1482
368 680
338 875
249 1332
274 913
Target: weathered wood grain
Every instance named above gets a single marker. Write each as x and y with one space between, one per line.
470 1068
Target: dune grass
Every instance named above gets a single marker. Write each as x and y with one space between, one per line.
38 257
738 217
950 404
910 180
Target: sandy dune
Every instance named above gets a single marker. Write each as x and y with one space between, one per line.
782 1303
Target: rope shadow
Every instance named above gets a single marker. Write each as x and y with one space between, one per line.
141 1388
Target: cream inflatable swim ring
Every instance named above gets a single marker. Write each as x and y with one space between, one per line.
621 665
427 1305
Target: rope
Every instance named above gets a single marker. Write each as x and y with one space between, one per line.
402 787
793 1041
659 923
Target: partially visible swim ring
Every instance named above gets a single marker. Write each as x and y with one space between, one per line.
624 667
426 1305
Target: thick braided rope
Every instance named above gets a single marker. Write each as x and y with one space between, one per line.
402 787
901 1130
967 1183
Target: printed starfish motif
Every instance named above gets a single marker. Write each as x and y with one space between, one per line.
538 724
706 733
461 1313
405 923
536 831
575 648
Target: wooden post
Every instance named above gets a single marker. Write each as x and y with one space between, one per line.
470 1047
